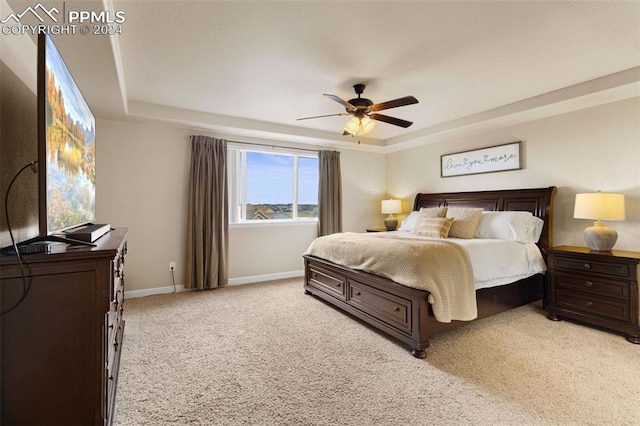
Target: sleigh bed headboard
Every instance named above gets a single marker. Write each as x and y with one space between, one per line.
538 201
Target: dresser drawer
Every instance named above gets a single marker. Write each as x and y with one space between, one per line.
593 285
112 318
118 274
617 269
113 355
327 282
578 301
393 310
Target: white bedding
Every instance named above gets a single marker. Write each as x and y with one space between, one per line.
497 262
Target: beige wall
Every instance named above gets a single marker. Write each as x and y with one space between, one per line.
584 151
142 172
18 136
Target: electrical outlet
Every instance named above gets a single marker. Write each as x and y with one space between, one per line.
172 266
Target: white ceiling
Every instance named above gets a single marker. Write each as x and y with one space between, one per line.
253 67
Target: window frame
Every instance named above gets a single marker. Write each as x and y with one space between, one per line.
237 177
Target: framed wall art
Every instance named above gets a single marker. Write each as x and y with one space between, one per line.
497 158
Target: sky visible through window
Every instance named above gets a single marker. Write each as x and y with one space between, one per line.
270 179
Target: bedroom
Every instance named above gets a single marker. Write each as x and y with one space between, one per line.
581 137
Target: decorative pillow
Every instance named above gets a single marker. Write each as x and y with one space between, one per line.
435 227
523 227
409 223
433 212
465 222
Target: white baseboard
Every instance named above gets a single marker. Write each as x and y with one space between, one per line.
265 277
132 294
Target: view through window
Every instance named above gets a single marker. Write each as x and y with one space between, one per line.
273 186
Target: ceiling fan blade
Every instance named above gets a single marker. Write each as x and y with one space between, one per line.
320 116
391 120
350 108
407 100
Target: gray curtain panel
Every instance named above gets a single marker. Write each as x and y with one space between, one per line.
329 193
208 215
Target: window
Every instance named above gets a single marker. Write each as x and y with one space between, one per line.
272 186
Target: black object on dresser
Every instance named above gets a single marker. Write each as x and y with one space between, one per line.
61 346
596 288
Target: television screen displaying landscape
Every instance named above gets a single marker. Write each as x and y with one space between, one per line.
70 147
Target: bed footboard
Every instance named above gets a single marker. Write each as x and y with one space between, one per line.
399 311
404 312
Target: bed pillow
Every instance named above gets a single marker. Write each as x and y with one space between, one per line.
433 212
465 221
435 227
409 223
523 227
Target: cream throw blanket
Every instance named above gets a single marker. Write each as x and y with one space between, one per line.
439 266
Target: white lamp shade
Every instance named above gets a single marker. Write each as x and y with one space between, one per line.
599 206
352 126
359 126
391 206
366 125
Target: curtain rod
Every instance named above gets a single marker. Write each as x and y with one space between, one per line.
273 146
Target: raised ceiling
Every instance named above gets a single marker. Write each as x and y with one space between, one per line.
254 67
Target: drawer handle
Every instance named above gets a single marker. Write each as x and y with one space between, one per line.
338 285
587 266
396 309
588 284
589 304
357 293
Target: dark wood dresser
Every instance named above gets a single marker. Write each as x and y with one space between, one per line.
61 346
597 288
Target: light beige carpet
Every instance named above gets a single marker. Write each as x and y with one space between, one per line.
267 354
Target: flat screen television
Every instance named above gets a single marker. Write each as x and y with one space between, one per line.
66 147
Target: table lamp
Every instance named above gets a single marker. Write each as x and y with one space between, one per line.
599 206
390 207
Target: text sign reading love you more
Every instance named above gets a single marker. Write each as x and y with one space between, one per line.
485 160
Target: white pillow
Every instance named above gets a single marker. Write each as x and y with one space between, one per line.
523 227
409 223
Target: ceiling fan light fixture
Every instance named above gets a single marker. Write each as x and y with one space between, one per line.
365 112
357 126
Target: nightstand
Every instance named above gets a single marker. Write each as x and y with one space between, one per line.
377 229
596 288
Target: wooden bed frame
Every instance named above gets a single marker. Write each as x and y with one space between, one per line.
403 312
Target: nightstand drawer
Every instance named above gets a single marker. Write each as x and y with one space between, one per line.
592 305
593 285
607 268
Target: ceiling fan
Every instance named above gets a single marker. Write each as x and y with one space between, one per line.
364 111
